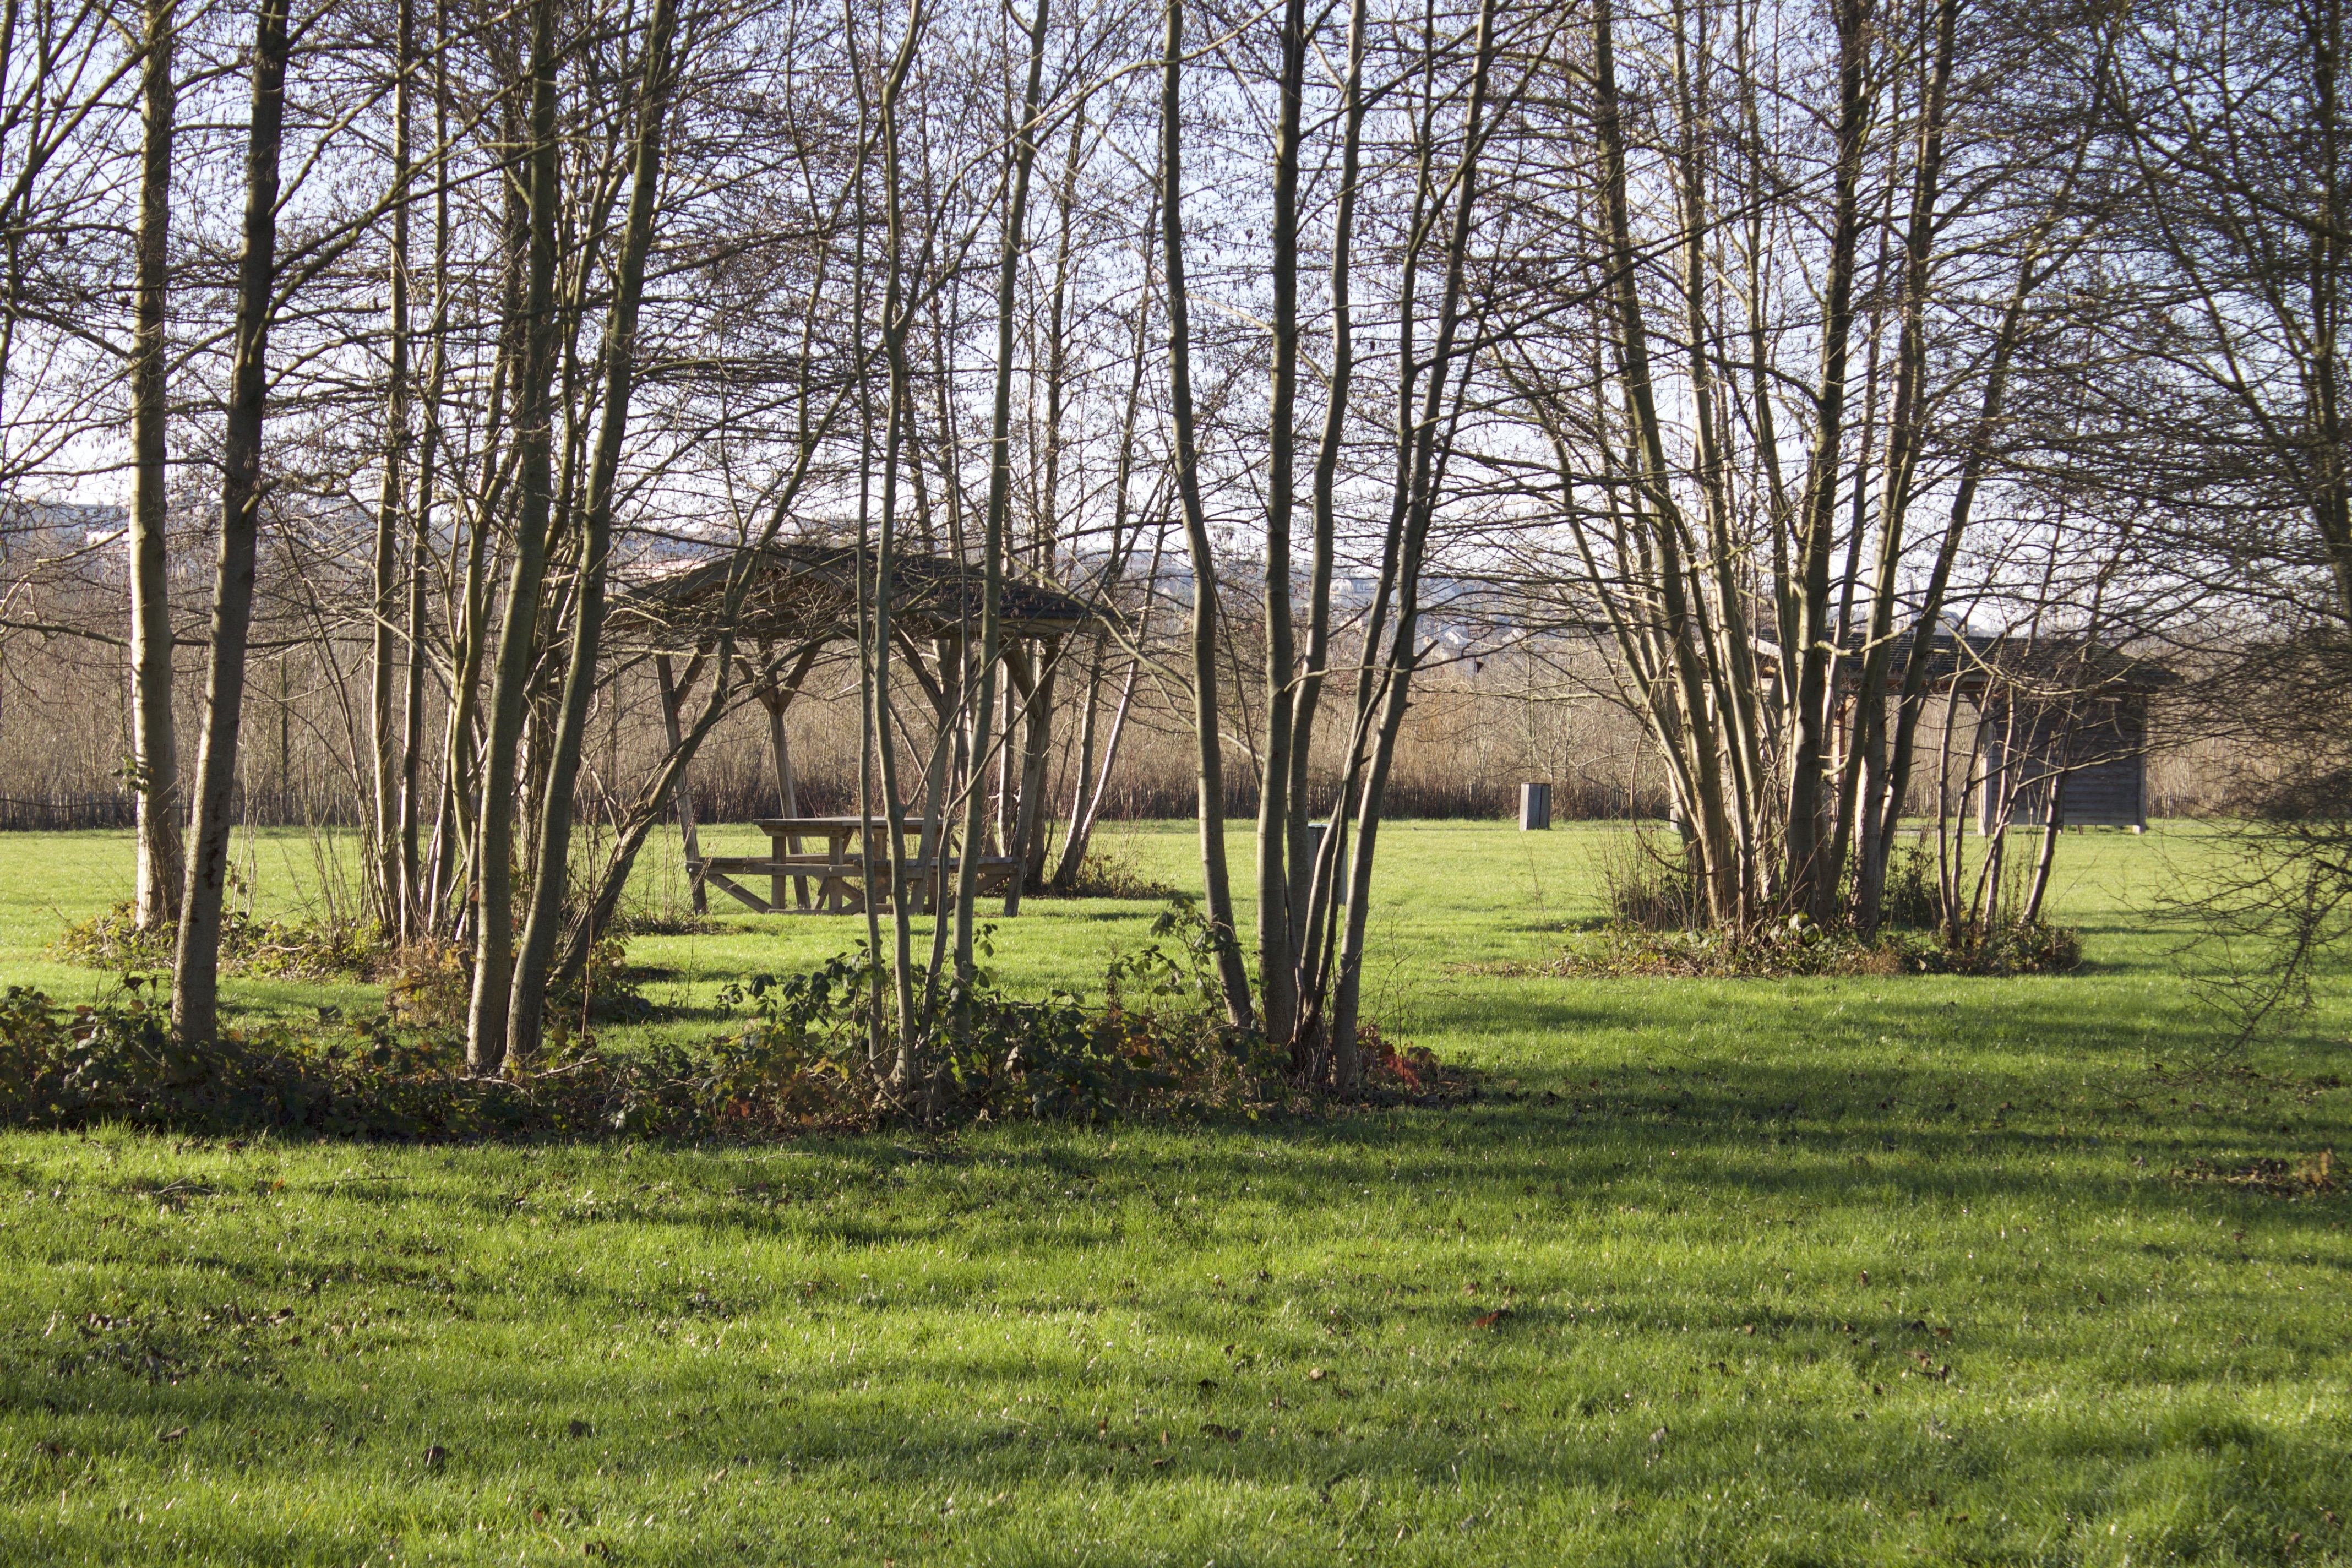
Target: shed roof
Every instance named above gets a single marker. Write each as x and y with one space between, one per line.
1971 662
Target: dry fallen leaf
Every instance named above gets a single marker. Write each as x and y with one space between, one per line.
173 1435
1314 1374
1493 1319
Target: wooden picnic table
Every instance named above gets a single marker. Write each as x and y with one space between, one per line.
838 872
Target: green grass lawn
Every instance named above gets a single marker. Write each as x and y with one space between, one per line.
1792 1271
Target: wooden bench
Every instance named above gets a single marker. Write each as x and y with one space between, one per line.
833 882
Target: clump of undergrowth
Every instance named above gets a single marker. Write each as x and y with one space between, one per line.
429 983
1395 1071
1912 898
311 949
1152 1045
1105 875
1658 924
1799 947
115 1061
812 1050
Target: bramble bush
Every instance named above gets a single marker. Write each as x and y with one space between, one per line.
1799 947
802 1057
307 949
1658 925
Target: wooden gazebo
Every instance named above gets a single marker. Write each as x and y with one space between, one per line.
801 598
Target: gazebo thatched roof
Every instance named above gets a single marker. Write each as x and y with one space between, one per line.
808 592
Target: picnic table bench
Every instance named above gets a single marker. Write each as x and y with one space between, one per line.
802 880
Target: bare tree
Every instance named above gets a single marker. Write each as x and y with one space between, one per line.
195 987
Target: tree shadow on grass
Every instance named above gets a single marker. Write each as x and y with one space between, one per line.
1917 1274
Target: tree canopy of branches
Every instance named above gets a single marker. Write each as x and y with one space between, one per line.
1729 359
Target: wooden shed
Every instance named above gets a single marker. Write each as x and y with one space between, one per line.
2060 725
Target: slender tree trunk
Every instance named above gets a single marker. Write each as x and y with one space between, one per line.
486 1043
416 899
907 1066
1000 484
461 776
1866 772
1216 882
1035 686
2046 858
1278 970
154 738
552 881
1808 879
1653 499
1315 872
387 767
1085 792
196 990
1423 479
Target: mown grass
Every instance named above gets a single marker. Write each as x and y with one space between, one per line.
1719 1218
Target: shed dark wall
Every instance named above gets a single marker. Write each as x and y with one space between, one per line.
2101 753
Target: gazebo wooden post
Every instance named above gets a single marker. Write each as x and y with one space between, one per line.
1035 680
780 750
682 796
775 697
807 596
938 780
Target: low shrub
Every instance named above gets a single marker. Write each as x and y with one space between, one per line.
1105 875
1153 1045
115 1060
1648 883
1913 897
1798 947
2025 947
429 983
300 949
1406 1072
804 1056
